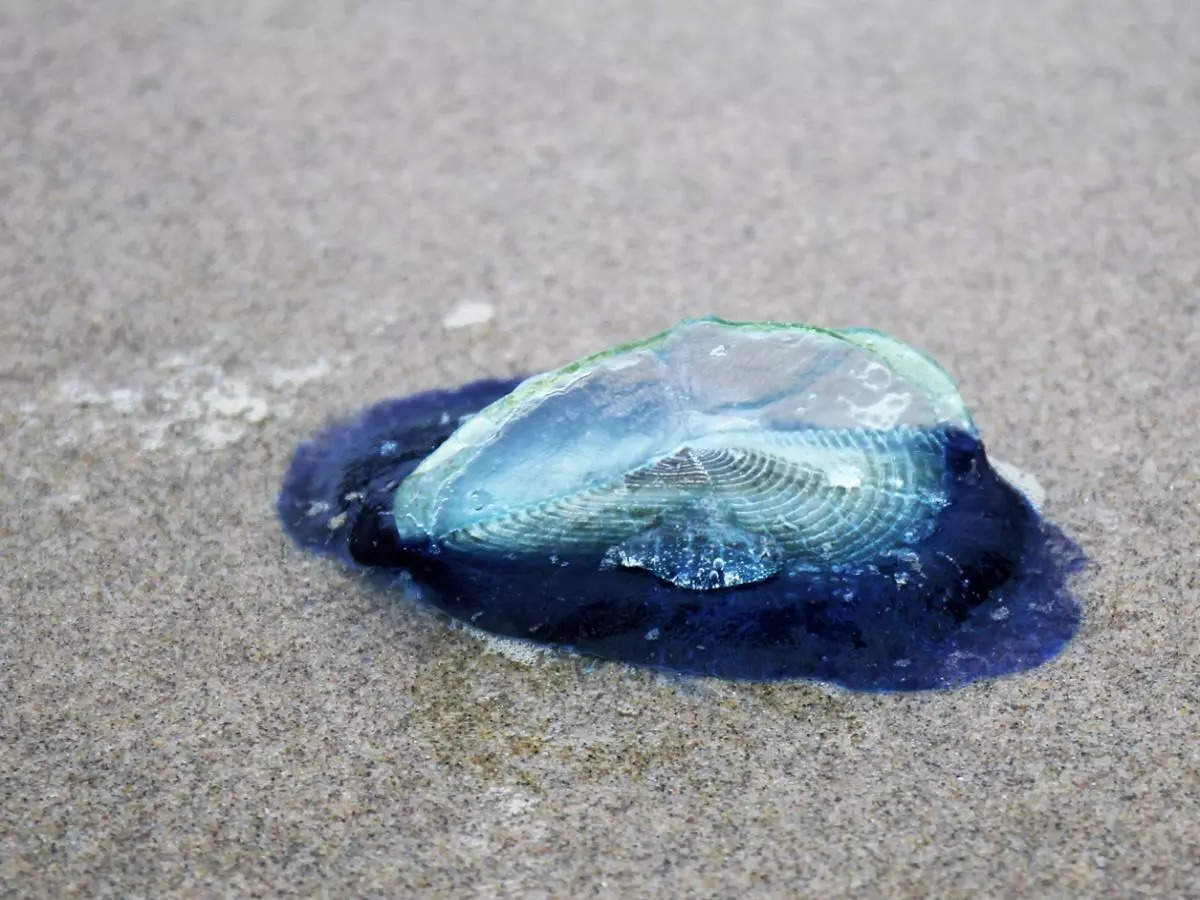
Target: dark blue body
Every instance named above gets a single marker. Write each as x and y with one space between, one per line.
984 595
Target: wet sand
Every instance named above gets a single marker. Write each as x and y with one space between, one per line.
222 227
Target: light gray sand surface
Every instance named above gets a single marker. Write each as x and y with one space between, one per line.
223 224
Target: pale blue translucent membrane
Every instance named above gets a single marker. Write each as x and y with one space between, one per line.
744 447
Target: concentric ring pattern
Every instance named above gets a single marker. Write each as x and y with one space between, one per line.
812 497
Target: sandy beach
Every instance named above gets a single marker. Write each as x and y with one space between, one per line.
223 226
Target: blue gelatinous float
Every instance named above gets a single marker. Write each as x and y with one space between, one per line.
744 500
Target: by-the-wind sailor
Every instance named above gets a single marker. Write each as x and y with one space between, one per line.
755 500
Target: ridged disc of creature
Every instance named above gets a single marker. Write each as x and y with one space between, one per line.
712 455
